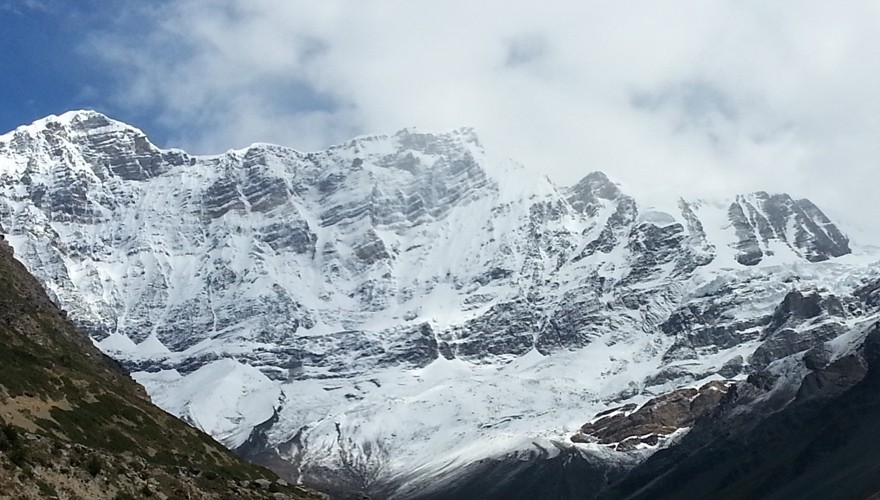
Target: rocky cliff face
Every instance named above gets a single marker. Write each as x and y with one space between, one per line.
760 219
397 307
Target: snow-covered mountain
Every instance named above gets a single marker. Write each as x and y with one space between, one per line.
381 314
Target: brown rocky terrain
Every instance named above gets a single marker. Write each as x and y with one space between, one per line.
626 427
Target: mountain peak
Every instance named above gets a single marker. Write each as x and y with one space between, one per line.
760 218
82 121
436 142
91 141
586 195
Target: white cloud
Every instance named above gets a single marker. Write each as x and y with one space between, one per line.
22 7
673 97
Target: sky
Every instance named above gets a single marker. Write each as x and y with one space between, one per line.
676 98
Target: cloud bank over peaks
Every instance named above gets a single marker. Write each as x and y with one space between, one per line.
688 97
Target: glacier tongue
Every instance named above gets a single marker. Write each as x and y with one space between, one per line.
224 398
407 303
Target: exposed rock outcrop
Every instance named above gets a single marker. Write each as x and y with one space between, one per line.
652 423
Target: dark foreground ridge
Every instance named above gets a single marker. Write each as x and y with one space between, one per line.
74 425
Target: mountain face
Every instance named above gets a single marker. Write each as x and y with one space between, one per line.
74 425
398 314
